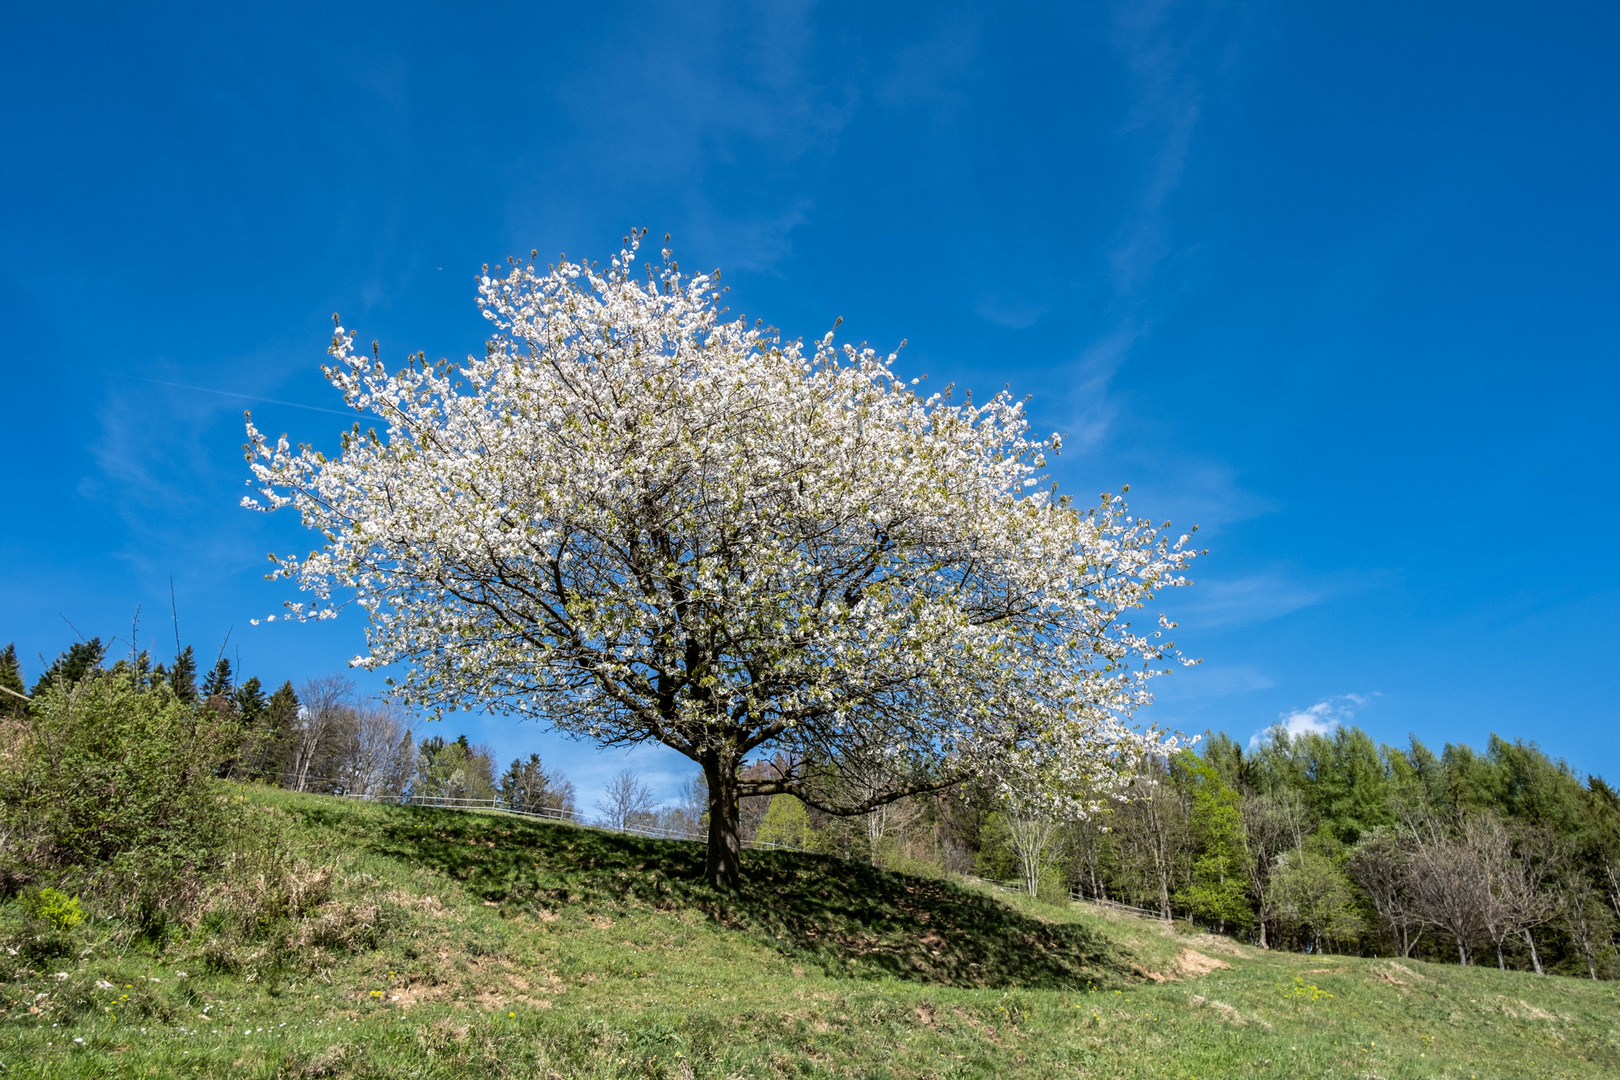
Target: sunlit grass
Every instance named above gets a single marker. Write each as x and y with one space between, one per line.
527 949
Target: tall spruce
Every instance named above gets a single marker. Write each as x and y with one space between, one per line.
11 679
182 675
219 682
249 700
81 659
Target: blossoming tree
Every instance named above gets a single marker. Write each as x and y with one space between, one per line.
636 520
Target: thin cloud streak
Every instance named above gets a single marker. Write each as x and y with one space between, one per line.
233 394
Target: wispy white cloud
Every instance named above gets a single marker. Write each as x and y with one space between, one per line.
1224 681
1015 312
1243 601
929 73
1165 111
717 125
1247 599
1093 409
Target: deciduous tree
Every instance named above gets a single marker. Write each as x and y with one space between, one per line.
641 522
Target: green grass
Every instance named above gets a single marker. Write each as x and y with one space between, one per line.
460 945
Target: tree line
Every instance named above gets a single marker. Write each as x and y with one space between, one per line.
320 737
1317 842
1314 842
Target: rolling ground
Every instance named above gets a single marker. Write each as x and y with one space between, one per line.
428 943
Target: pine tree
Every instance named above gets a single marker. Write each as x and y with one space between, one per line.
271 734
250 700
80 660
11 679
183 675
218 683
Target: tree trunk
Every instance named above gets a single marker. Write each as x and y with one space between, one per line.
1534 959
723 866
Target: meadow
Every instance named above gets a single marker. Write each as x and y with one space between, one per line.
409 942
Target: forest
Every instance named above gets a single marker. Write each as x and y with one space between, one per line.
1319 842
1314 842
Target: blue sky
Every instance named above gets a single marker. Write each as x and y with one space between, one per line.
1334 281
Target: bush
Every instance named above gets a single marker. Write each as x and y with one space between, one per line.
57 908
108 790
1053 888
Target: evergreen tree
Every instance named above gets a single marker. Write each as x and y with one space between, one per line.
11 679
81 659
528 787
1223 753
269 732
249 700
183 676
218 683
454 770
1349 785
1533 789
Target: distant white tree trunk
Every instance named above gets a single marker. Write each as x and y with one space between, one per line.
323 700
1031 839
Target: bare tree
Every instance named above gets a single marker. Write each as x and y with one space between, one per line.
685 818
1381 865
1272 825
1517 899
626 801
1031 838
1088 844
1473 885
887 822
1585 917
1452 890
324 706
1151 824
377 754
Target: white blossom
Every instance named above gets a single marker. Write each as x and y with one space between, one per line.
636 520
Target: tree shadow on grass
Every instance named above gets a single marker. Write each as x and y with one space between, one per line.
847 917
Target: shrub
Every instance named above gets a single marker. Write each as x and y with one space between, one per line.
57 908
110 792
1053 888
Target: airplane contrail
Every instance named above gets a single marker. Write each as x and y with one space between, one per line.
232 394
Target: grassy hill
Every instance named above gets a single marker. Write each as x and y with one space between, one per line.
396 942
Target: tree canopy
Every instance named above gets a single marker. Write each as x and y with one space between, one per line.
639 521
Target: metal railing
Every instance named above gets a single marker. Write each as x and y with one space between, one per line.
567 817
1114 905
1078 897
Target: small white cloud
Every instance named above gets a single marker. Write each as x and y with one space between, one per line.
1319 719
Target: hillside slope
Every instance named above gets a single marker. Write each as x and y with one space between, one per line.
427 943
